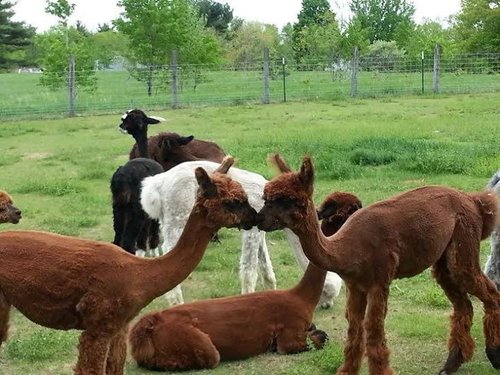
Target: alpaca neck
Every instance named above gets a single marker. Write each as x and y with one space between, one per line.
159 275
310 286
319 249
142 144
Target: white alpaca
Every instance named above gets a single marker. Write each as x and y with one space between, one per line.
169 197
492 267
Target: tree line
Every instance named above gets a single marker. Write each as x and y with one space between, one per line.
206 32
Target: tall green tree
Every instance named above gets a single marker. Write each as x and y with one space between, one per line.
316 33
155 28
15 38
216 15
382 18
245 49
57 45
477 26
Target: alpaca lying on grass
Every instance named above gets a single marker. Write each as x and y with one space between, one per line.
169 197
66 283
395 238
8 212
492 267
201 334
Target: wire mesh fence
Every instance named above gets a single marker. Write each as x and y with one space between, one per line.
269 81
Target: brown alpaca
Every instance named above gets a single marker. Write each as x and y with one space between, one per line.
398 237
8 212
160 149
335 209
70 283
201 334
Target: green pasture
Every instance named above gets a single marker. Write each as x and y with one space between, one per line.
23 97
58 172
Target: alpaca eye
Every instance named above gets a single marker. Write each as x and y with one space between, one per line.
233 205
286 202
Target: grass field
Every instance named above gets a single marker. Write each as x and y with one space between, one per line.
59 171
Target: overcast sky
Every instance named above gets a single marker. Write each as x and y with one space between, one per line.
278 12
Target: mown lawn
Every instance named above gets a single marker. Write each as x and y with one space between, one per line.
59 170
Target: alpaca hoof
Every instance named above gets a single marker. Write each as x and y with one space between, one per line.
493 355
454 361
318 338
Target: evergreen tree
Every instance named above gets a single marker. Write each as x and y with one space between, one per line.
15 37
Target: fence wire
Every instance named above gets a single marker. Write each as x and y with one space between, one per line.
153 87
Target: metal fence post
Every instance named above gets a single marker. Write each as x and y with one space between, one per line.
175 80
265 97
437 61
283 69
422 69
71 86
354 72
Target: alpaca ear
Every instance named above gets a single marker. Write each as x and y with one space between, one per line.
277 161
306 175
207 187
154 119
185 140
224 166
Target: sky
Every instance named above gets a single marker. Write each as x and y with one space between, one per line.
278 12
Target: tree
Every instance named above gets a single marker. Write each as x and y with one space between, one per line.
15 38
316 33
246 47
477 26
155 28
62 9
109 45
381 18
58 44
216 15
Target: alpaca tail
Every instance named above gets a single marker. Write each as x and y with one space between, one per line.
488 205
151 198
142 346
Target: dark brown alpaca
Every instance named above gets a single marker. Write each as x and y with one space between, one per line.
160 149
135 122
201 334
398 237
8 212
66 283
335 209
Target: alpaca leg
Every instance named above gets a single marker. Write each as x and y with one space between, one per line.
484 289
154 237
265 265
160 345
92 354
170 237
117 353
460 342
355 346
464 266
119 220
291 341
249 260
492 266
4 318
376 346
133 230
